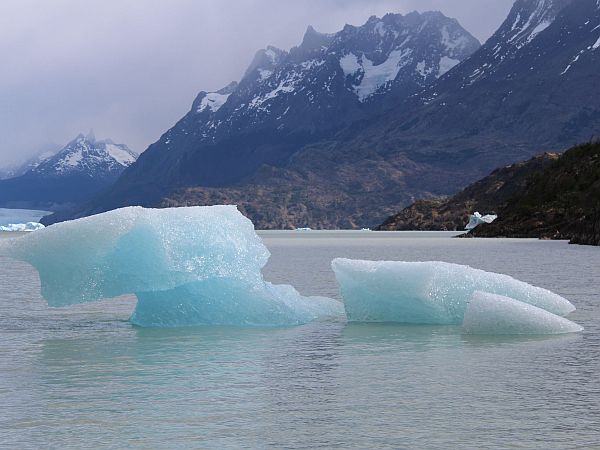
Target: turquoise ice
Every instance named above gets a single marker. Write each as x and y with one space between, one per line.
427 292
187 266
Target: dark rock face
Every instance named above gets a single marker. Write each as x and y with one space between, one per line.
76 173
549 197
308 138
488 196
586 231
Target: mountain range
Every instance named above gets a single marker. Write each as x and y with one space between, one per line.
348 128
73 175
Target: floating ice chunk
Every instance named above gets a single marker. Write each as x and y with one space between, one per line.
477 219
137 250
203 262
29 226
225 301
495 314
427 292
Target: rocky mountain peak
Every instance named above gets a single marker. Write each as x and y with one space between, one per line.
398 49
313 40
265 59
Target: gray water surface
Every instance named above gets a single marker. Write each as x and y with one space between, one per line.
83 377
8 216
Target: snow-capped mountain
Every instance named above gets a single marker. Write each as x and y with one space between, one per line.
79 170
86 156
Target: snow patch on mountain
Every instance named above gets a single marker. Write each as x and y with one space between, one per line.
373 77
455 44
272 55
446 64
213 101
287 82
264 74
70 160
349 64
122 156
527 26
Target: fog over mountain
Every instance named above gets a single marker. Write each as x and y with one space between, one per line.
129 69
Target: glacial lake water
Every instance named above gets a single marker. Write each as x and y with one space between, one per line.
8 216
83 377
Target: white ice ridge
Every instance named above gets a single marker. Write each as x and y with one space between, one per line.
495 314
477 219
427 292
187 266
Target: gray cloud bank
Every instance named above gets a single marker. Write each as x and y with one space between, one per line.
130 69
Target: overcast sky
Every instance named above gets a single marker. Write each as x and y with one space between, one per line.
130 69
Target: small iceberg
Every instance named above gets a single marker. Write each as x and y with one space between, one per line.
29 226
495 314
477 219
187 266
428 292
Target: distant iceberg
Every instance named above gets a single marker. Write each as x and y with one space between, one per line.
187 266
495 314
427 292
477 219
29 226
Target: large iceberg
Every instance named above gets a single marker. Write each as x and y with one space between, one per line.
495 314
187 266
427 292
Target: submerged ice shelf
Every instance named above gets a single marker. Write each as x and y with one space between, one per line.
427 292
187 266
495 314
